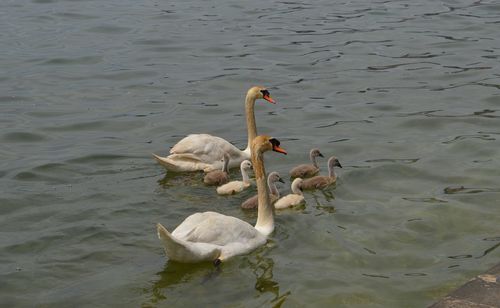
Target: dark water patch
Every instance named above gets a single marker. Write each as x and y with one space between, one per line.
467 190
97 159
21 137
75 16
376 276
344 122
153 42
465 137
109 29
495 239
415 274
459 257
211 78
125 75
28 176
392 66
394 160
14 99
489 250
370 251
339 140
425 200
74 61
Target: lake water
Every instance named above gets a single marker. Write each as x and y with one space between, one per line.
405 94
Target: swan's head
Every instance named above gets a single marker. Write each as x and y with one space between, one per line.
260 93
315 153
297 185
333 162
274 177
246 165
264 143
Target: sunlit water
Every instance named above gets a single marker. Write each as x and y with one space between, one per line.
404 93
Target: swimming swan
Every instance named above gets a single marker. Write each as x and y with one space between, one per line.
235 187
203 151
272 178
307 170
218 177
296 198
321 181
211 236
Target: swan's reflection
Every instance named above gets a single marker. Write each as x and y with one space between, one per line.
185 275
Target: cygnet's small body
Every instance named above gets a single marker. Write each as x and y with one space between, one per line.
272 178
307 170
296 198
218 177
235 187
321 181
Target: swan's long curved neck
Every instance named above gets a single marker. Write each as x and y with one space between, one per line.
250 114
265 215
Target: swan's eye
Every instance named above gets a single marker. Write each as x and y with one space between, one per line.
274 142
265 93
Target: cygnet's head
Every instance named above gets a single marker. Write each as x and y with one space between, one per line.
297 185
246 165
334 162
274 177
316 153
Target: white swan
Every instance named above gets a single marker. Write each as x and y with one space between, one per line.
235 187
218 177
307 170
253 202
202 151
322 181
296 198
211 236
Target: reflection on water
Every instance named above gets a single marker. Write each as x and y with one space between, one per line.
178 278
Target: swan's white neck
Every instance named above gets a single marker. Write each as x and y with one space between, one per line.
265 215
251 126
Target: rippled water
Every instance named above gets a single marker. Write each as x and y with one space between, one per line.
405 94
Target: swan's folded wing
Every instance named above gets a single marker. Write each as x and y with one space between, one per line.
215 228
199 144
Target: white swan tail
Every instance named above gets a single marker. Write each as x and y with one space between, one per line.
179 250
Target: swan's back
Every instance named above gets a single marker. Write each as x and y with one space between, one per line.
217 229
304 171
318 182
290 200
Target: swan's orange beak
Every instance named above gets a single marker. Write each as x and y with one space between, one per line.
269 99
276 148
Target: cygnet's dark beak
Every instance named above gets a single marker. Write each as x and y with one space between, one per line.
281 180
320 155
337 163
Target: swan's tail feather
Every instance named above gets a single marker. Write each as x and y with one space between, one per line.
182 251
167 163
182 163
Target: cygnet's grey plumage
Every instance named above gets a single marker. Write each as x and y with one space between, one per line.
272 178
218 177
307 170
322 181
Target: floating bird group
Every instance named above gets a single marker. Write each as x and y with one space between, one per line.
211 236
